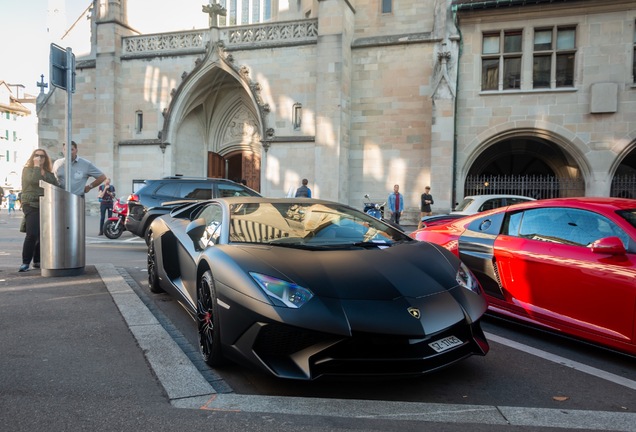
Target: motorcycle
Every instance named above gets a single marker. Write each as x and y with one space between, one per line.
372 208
114 226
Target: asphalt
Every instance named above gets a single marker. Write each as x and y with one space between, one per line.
86 351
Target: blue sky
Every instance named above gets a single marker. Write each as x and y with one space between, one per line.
26 39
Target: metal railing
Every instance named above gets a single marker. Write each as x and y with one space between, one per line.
535 186
624 186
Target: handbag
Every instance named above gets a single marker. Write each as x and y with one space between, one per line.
23 224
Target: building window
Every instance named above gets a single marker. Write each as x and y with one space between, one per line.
553 57
387 6
241 12
139 121
297 115
501 60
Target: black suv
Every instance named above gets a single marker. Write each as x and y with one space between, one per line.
148 202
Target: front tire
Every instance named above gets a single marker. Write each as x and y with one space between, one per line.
112 229
153 274
208 321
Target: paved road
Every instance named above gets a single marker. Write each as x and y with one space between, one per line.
85 351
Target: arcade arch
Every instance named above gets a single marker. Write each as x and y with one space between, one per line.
527 164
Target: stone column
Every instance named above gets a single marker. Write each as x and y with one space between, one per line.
110 26
333 99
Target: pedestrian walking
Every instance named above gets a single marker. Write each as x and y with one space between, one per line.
11 199
303 191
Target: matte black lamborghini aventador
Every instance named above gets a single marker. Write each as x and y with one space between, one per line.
304 288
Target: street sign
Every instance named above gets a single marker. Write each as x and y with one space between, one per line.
60 64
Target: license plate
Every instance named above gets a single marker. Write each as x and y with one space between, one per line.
445 344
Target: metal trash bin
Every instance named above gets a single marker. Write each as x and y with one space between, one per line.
62 232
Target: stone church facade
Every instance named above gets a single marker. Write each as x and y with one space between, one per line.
356 98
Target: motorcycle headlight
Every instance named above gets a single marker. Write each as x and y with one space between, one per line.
465 278
283 293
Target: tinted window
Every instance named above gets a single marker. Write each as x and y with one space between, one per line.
196 190
491 204
225 190
564 225
168 190
212 215
465 203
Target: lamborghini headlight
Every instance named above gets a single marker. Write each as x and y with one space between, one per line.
466 279
283 293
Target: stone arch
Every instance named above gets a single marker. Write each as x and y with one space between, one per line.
625 151
201 112
549 150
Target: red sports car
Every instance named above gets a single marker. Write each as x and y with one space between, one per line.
567 264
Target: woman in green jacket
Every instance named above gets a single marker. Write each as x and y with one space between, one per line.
37 168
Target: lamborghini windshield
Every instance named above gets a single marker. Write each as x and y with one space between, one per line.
310 225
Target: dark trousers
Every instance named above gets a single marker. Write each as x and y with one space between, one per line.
31 245
103 208
395 217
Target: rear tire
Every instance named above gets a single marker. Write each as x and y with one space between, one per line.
208 321
153 274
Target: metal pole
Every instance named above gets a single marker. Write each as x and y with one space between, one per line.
70 69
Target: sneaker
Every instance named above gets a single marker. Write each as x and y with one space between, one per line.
36 265
24 267
100 234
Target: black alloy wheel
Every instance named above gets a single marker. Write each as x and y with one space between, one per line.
153 275
208 321
113 229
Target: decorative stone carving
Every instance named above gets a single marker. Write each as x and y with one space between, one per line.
242 127
168 43
244 71
272 33
184 75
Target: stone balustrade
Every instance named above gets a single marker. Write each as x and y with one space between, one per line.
236 37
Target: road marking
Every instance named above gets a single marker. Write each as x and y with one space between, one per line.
564 361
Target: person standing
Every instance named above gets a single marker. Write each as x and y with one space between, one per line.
106 197
81 171
37 168
303 191
425 206
396 204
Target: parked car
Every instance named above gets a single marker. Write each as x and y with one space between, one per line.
474 204
156 198
568 265
479 203
304 288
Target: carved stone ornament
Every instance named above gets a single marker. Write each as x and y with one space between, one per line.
184 75
270 132
245 72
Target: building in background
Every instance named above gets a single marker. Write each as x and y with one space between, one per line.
490 96
18 133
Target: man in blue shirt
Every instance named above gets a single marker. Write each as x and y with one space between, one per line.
81 171
396 204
